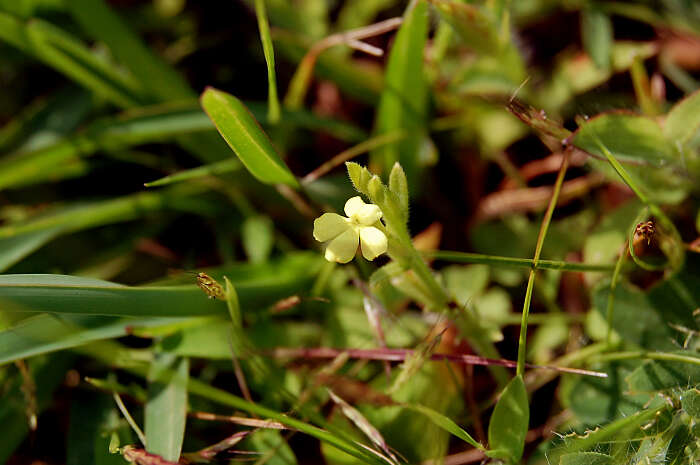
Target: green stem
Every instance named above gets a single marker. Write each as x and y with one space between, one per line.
421 269
631 355
653 208
611 296
495 260
522 341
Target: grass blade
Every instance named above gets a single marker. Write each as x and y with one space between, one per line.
445 423
257 286
67 54
273 113
154 74
47 333
222 167
403 103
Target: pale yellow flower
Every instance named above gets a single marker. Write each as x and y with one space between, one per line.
345 234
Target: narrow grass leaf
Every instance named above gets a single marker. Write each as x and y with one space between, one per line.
243 134
166 407
152 72
273 113
46 120
46 333
71 294
272 446
73 218
213 169
445 423
509 422
64 52
363 425
403 103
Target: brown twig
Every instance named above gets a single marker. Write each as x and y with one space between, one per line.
352 152
534 198
244 421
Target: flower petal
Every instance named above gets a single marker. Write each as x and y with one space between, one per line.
342 249
373 242
368 214
353 205
329 226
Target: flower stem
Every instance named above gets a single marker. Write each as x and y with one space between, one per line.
535 261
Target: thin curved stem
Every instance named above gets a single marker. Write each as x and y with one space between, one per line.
522 341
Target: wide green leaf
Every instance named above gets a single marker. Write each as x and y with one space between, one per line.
166 407
509 422
683 121
634 318
627 136
244 135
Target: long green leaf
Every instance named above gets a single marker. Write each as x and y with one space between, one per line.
257 286
62 51
92 214
243 134
273 113
166 407
509 422
154 74
222 167
41 334
445 423
68 55
403 103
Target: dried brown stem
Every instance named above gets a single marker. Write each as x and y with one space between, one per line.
400 355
